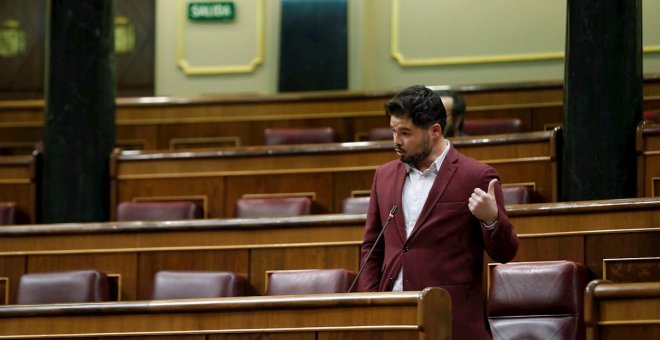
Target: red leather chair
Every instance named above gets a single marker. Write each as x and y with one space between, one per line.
384 133
491 126
518 195
537 300
7 213
652 115
312 281
197 284
355 205
157 211
278 136
273 207
63 287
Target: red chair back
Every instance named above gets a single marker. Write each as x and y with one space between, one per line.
273 207
158 211
491 126
537 300
197 284
355 205
518 195
63 287
278 136
652 115
313 281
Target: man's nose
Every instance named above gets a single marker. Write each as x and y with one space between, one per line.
396 138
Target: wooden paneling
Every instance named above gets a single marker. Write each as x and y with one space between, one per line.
159 120
635 269
135 67
136 250
330 171
22 62
622 310
620 246
570 248
19 183
413 315
23 70
648 164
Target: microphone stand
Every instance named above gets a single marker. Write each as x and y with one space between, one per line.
389 218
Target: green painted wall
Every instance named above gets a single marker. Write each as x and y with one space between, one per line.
455 41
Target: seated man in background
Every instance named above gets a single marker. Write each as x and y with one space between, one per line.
454 104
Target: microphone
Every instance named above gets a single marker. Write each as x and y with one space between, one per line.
389 218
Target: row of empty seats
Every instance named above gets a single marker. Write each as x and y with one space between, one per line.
471 127
527 300
89 285
314 135
248 207
245 208
270 207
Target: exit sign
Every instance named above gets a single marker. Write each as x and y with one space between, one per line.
211 11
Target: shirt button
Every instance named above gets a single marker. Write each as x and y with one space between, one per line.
405 249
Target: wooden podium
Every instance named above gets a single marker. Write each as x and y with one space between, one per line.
393 315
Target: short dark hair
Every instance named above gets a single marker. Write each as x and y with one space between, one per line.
421 104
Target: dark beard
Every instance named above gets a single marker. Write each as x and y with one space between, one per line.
418 157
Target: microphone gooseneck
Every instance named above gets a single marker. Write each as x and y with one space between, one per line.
382 230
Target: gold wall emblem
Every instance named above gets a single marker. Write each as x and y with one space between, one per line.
12 38
124 35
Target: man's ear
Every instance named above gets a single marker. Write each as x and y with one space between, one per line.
436 130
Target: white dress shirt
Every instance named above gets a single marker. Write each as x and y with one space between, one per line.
415 192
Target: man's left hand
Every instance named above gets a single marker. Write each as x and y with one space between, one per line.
483 205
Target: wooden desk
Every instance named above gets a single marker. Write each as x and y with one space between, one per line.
327 172
648 160
400 315
135 251
19 183
161 122
622 310
587 232
213 120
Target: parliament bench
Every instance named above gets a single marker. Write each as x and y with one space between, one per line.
327 173
587 232
239 119
622 310
648 159
402 315
20 184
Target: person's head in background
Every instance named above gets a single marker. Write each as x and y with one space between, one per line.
455 106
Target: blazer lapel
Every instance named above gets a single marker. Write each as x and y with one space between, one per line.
399 180
447 170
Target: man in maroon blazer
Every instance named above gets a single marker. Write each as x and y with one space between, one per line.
450 208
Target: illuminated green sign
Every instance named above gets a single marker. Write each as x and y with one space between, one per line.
211 11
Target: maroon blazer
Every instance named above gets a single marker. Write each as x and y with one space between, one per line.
446 246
